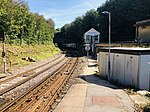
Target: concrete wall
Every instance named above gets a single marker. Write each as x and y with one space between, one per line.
131 70
102 63
118 71
144 78
126 69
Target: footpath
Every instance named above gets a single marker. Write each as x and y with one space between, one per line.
95 95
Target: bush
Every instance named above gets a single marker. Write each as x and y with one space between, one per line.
146 108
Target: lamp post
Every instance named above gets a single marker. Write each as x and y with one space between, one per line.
106 12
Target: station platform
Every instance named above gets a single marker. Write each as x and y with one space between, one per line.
95 95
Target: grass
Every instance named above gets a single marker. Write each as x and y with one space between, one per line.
147 108
14 54
130 91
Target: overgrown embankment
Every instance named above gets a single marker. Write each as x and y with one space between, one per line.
17 56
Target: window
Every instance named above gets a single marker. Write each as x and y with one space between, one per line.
96 38
87 38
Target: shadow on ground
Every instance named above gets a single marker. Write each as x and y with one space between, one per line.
96 80
94 65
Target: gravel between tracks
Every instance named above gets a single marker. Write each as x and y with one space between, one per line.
21 89
80 67
16 71
17 91
82 62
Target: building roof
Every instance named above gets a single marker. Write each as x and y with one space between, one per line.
143 23
92 32
127 50
130 48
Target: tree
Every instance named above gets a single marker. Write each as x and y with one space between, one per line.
22 26
125 13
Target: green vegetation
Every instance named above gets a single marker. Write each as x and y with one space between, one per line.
146 108
125 13
26 34
14 54
23 27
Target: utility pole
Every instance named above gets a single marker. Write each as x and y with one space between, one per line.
3 53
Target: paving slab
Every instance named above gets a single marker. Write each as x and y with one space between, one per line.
74 99
95 95
105 100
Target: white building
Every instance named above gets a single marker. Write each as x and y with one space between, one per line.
143 31
129 66
92 37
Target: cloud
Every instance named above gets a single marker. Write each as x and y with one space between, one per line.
62 15
90 5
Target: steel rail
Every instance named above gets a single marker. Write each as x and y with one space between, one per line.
28 71
9 88
40 94
51 101
13 102
50 97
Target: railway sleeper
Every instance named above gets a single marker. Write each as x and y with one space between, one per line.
56 92
28 100
22 81
58 96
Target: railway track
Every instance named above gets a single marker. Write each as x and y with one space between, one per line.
28 72
41 96
15 81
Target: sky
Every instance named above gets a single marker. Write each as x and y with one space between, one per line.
63 11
